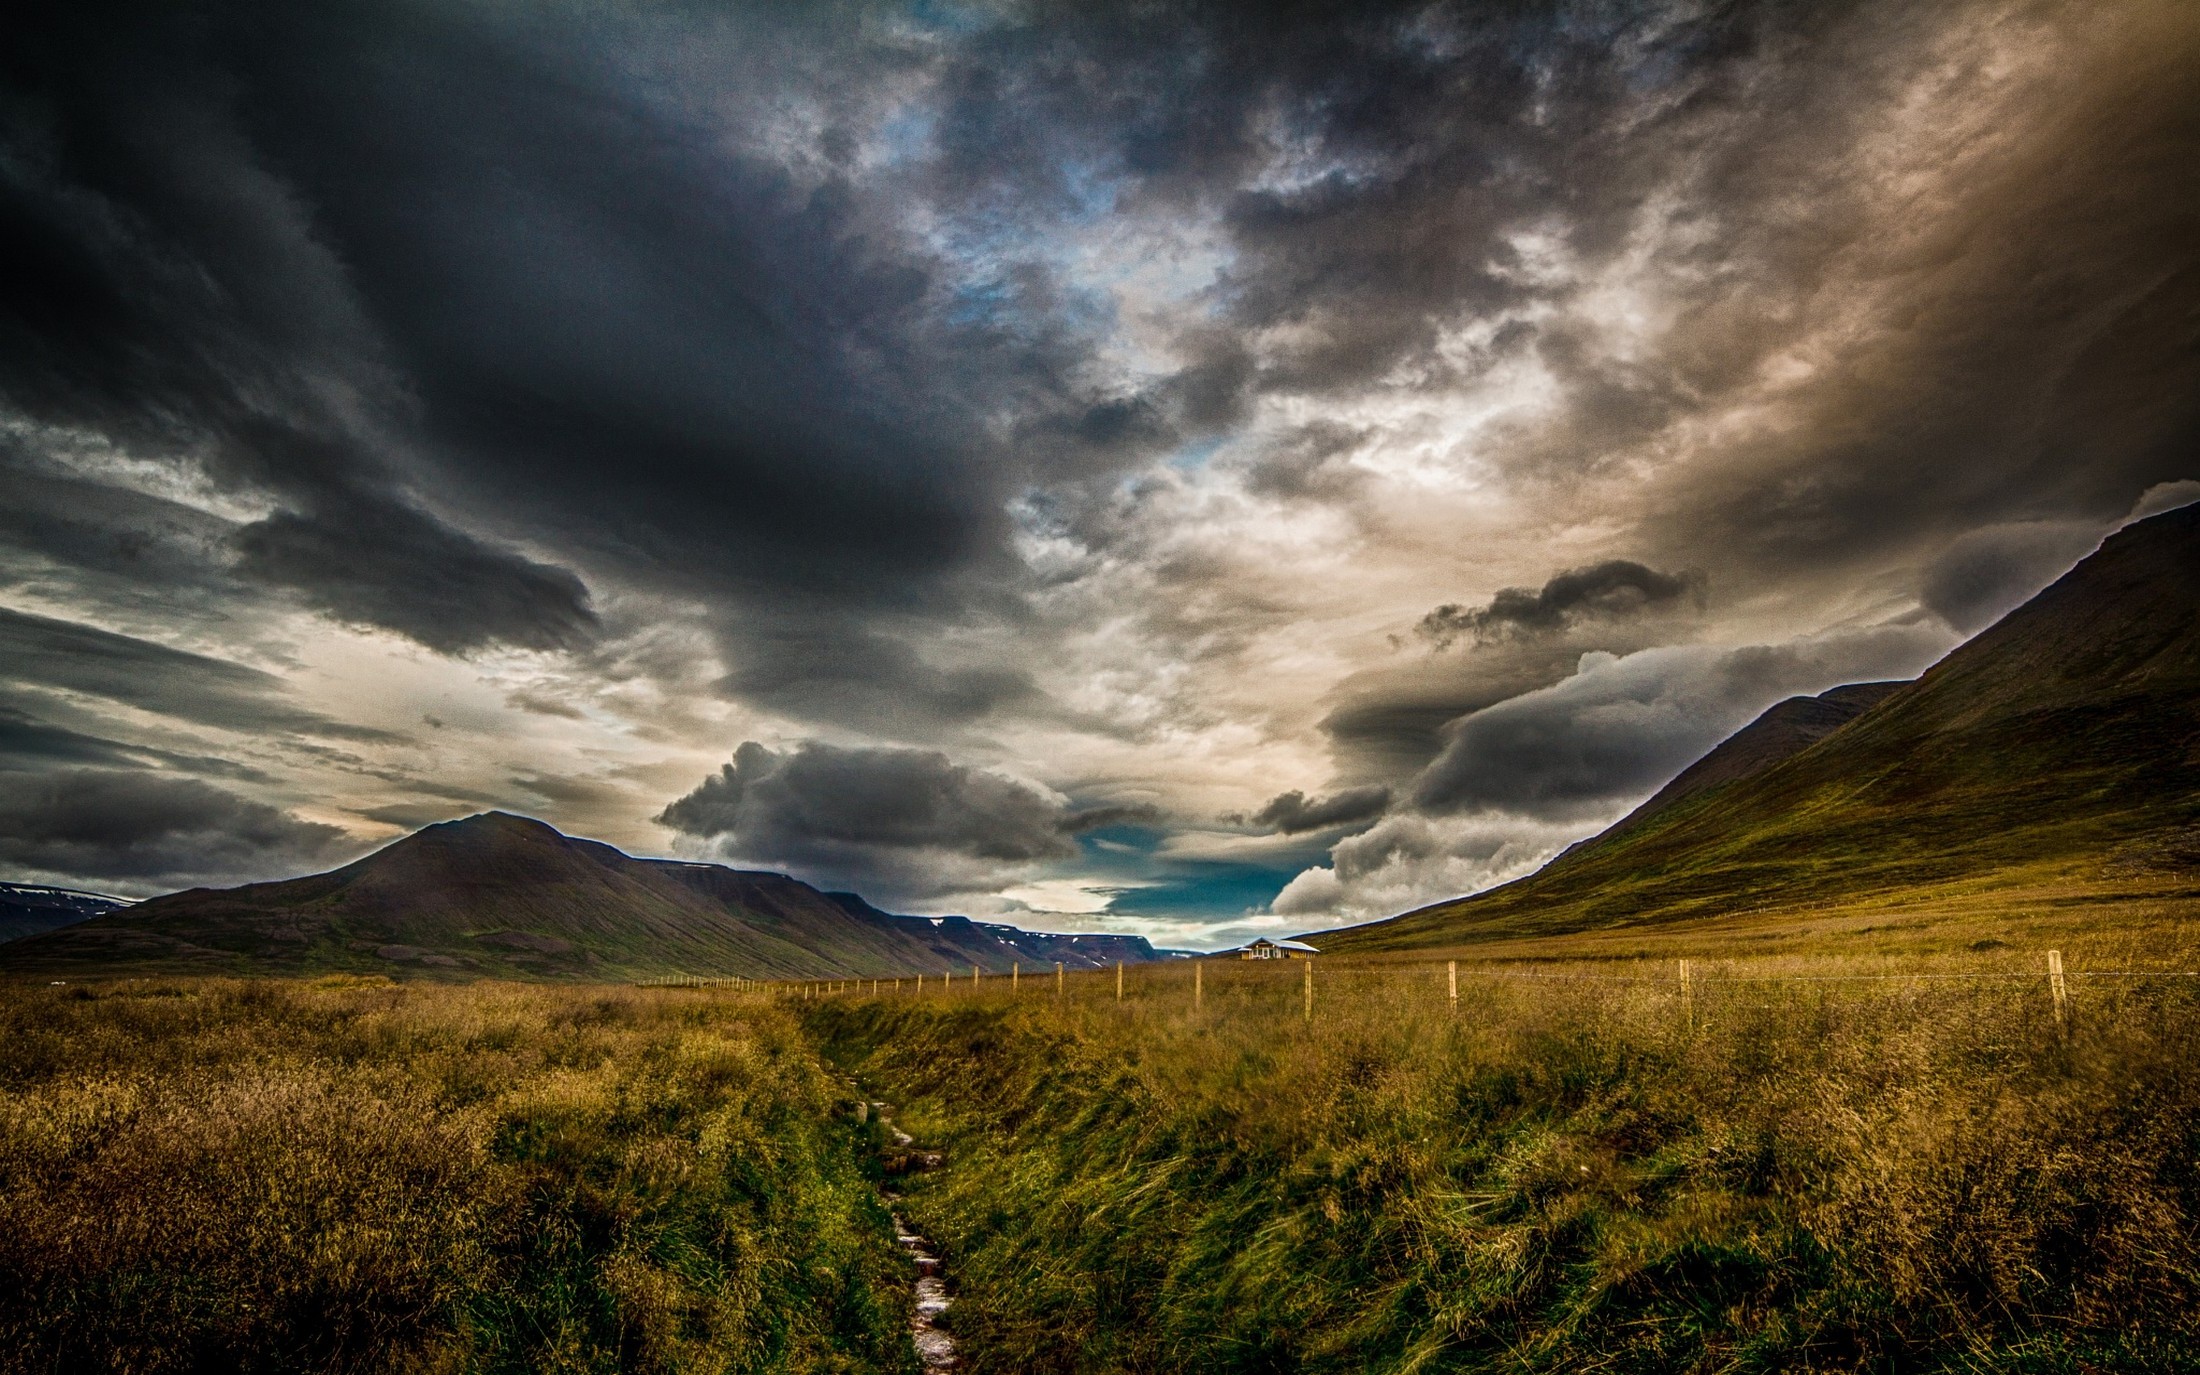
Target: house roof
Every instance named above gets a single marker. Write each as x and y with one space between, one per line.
1280 944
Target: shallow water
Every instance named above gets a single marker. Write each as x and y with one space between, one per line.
936 1349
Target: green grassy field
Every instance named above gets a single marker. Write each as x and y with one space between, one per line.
1572 1171
349 1175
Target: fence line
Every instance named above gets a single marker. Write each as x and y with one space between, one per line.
1691 979
1692 975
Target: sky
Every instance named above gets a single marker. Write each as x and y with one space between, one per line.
1181 469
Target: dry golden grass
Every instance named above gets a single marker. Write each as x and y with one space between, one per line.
350 1175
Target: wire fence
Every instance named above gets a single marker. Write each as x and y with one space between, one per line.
1684 977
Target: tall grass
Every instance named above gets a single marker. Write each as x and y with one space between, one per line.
356 1176
1560 1176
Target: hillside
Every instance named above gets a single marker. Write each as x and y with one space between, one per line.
28 909
2054 759
503 896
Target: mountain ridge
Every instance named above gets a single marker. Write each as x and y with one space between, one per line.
508 896
30 909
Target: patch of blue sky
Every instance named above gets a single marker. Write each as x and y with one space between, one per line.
1091 188
1120 852
908 136
948 17
981 303
1205 891
1196 455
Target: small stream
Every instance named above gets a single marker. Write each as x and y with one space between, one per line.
936 1349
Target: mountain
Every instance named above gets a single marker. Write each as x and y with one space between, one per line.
27 909
504 896
2052 761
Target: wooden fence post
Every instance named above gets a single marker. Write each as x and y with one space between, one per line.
1688 1000
1014 969
1119 981
1309 996
973 977
1452 969
2055 985
1199 991
1061 989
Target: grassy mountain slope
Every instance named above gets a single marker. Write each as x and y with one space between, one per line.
2053 759
1784 730
508 897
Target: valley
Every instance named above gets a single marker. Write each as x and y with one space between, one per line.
1865 1045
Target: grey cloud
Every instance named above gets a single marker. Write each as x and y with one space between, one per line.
171 682
1309 462
384 564
414 815
129 545
26 740
1621 727
1388 722
1409 858
140 829
1990 571
2164 496
831 667
174 303
1100 817
767 803
908 821
2032 355
1294 813
1611 590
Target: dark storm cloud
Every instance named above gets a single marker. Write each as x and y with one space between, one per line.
147 829
580 269
820 797
1388 722
903 821
127 543
2009 347
167 294
1610 590
387 565
627 316
1294 813
44 652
